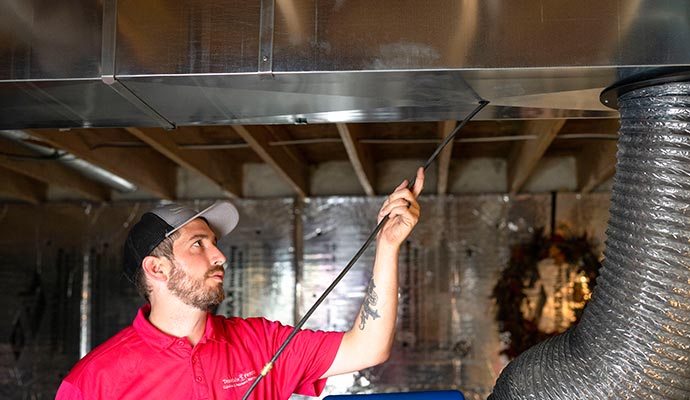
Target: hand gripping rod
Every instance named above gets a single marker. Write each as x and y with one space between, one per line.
354 259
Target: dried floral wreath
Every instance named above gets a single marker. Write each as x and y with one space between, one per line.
522 273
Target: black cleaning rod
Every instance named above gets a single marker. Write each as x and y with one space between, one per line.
354 259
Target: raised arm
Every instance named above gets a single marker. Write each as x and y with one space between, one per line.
369 341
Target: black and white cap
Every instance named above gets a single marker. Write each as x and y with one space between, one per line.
163 221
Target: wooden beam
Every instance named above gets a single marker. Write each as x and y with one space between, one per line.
221 171
20 187
144 167
286 161
50 171
360 157
596 165
525 155
444 128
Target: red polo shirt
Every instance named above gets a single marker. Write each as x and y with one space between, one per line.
141 362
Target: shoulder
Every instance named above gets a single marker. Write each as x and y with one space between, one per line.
250 330
261 330
67 391
244 326
100 359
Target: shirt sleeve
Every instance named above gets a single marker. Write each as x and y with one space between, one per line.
306 358
67 391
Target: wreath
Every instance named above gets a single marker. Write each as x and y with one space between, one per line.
578 259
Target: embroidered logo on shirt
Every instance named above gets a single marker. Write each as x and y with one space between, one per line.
240 380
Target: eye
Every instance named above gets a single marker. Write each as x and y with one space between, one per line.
197 243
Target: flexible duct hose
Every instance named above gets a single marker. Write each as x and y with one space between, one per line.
633 340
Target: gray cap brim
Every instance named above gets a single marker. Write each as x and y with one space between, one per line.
221 216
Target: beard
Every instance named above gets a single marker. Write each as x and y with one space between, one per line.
195 292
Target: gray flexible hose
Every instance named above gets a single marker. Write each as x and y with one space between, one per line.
633 340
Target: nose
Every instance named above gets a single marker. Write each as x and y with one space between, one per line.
217 256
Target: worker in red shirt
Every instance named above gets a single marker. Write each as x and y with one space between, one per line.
177 349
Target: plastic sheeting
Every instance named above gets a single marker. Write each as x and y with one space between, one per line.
281 257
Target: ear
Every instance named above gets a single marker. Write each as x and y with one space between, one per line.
156 268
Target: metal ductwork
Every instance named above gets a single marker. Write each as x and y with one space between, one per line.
92 171
216 62
633 340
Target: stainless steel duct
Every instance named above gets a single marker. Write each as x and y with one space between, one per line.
634 337
94 172
81 63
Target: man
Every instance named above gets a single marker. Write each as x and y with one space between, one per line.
175 349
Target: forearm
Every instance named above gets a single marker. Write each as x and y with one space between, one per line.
375 323
372 333
369 341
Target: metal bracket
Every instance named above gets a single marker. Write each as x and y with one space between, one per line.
266 29
108 49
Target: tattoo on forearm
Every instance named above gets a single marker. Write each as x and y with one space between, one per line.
370 300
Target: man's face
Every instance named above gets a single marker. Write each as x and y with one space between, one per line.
196 276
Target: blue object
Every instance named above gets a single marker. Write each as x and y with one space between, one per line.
434 395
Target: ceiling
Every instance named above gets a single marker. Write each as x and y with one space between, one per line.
113 100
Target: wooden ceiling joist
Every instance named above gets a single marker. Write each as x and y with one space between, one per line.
444 128
359 155
21 187
596 166
525 155
221 171
144 167
50 171
286 161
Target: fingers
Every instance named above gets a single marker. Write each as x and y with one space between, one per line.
403 211
402 199
417 185
408 215
400 203
419 182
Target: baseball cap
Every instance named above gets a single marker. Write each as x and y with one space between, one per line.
161 222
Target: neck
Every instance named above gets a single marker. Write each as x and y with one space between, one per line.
175 318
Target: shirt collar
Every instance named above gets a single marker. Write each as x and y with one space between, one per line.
215 328
159 340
